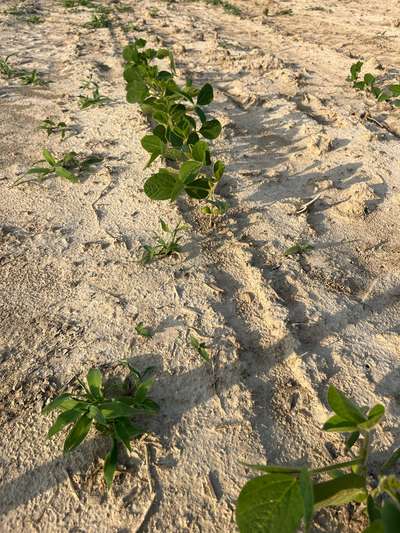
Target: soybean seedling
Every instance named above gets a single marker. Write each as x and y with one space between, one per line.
110 408
70 166
214 209
284 496
99 20
34 19
181 125
143 331
95 99
368 84
164 247
200 348
299 249
50 127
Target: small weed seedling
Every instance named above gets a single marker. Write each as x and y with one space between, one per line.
50 127
284 496
368 84
181 125
96 99
110 408
299 249
68 167
6 69
34 19
99 20
76 3
143 331
32 78
164 247
214 209
200 348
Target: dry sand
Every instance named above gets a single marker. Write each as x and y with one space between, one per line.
280 329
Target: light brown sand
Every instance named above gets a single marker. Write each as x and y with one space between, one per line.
280 329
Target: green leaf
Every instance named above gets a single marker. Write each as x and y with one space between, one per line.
95 380
375 527
39 170
63 173
369 79
374 512
392 461
153 144
211 129
137 92
199 151
115 409
338 424
78 433
125 431
344 489
64 402
219 169
161 185
49 158
189 170
307 493
64 419
270 504
395 89
142 330
352 439
391 517
110 464
206 95
343 407
374 416
200 113
198 189
355 70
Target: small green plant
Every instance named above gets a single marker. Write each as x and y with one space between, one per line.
32 78
34 19
50 127
368 84
6 69
285 496
153 12
299 249
180 122
200 348
70 166
143 331
76 3
109 408
99 20
164 247
95 99
214 208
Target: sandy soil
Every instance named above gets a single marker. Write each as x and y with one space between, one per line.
280 329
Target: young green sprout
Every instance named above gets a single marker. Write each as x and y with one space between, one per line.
110 408
388 93
95 99
50 127
200 348
6 69
283 497
70 166
143 331
32 78
299 249
99 20
164 247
